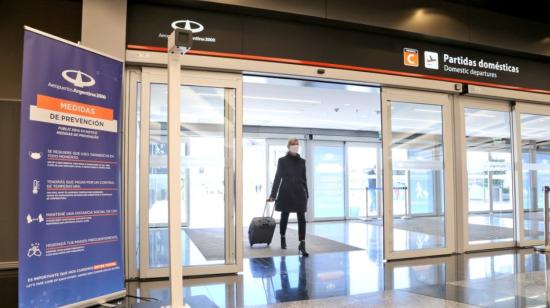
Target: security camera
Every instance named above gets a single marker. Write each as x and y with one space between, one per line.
180 41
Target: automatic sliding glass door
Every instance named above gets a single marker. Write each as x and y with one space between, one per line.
485 129
533 134
418 174
210 191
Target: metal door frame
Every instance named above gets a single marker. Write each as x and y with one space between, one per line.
131 170
427 98
517 110
462 172
233 203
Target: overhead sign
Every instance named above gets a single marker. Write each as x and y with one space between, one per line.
367 48
410 57
70 250
460 64
187 24
192 26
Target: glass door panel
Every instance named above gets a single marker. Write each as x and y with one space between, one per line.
202 172
207 170
400 183
478 181
363 187
418 147
328 180
418 140
158 177
534 132
535 137
489 175
209 211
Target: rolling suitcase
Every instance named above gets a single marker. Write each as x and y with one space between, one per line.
261 229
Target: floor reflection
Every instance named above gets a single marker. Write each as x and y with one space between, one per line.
292 292
515 278
205 246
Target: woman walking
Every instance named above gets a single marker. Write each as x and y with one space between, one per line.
290 192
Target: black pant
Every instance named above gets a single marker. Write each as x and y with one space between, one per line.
301 224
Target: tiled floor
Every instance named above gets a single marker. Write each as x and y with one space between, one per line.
413 233
510 278
513 278
362 279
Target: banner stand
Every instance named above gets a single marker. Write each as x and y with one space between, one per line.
98 300
70 248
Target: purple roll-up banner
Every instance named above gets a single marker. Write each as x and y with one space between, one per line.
70 250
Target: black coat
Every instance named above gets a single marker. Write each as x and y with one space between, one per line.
290 185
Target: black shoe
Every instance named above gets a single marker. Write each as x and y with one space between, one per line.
283 242
302 249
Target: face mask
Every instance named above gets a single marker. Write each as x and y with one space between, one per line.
35 155
293 148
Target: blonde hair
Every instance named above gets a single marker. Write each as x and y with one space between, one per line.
291 140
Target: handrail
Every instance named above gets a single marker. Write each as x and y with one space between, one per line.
379 215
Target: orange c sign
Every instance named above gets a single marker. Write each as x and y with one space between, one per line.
410 57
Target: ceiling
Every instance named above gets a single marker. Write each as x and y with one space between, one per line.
536 10
299 103
296 103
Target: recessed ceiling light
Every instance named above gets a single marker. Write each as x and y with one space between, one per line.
296 100
209 94
481 115
427 110
255 79
273 110
362 89
417 120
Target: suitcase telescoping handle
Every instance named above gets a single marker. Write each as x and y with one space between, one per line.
264 213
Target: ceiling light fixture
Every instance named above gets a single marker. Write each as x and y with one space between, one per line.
417 120
273 110
361 89
254 79
481 115
209 94
279 99
427 110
